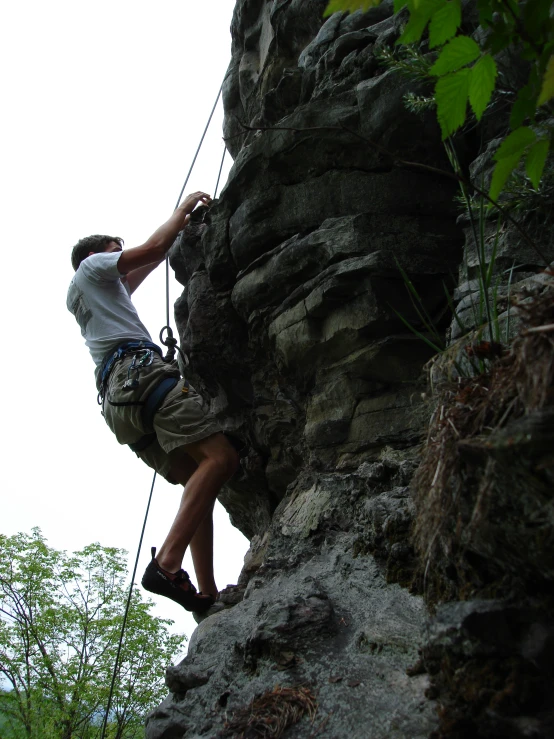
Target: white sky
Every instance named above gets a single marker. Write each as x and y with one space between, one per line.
103 106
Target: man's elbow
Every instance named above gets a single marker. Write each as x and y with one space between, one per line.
141 256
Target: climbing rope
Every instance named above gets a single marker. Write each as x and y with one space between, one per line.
220 170
179 200
171 343
124 624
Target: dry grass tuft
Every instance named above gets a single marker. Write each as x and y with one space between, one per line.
473 419
270 714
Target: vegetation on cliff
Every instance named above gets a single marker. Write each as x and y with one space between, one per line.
466 70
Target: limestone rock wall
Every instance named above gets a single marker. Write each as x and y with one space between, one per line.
298 290
291 316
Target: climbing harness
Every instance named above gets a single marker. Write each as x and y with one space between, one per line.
151 404
118 353
142 353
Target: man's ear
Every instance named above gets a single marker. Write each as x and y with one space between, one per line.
91 253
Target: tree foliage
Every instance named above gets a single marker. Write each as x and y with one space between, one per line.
60 620
466 72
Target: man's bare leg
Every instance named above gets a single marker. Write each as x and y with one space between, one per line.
201 545
216 462
202 551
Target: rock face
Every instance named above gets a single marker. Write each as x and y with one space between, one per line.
295 286
293 316
317 611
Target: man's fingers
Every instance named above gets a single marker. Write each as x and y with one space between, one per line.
200 196
192 200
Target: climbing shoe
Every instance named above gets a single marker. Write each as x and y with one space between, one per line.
176 586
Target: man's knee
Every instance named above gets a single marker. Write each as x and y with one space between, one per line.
228 460
217 451
182 467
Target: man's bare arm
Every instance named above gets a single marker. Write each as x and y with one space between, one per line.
153 251
137 276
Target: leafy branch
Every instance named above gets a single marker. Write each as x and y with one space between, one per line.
466 72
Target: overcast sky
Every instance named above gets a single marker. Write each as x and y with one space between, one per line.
103 107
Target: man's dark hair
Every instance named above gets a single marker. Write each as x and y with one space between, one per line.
96 243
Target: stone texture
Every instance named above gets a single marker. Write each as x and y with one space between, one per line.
498 655
316 612
294 315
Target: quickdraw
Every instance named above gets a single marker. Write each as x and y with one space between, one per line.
142 358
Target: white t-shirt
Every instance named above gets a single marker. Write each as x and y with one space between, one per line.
102 305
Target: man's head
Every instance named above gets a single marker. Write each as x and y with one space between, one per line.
93 245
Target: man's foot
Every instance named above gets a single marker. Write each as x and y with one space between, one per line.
176 586
227 598
216 607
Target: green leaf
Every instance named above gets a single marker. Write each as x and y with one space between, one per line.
486 12
349 6
499 37
481 84
414 28
398 5
502 171
536 158
451 93
547 89
515 143
419 18
460 51
547 51
536 17
444 23
524 106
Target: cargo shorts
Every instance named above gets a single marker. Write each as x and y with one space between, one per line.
182 418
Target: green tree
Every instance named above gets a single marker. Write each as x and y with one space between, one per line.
60 620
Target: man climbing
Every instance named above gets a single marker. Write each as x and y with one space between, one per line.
148 406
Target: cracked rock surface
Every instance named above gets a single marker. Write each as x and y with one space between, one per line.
293 315
314 613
